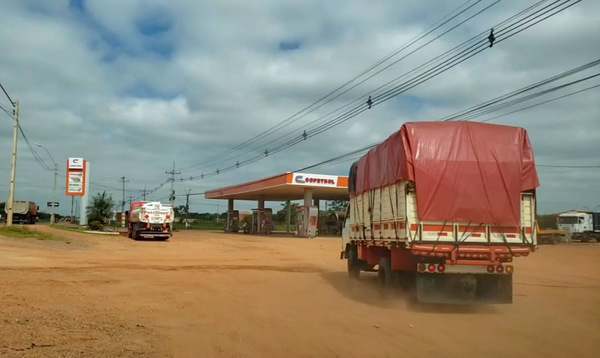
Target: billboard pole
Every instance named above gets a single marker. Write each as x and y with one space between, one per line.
83 220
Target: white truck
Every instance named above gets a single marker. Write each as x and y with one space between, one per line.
150 220
24 212
446 206
582 224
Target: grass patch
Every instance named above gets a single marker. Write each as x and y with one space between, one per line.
202 225
24 232
67 228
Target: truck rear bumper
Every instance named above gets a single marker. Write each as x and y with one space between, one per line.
459 288
154 235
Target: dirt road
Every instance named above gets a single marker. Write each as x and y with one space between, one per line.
206 294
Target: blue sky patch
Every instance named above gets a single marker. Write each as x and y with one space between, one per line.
77 5
155 23
289 45
143 90
161 48
408 103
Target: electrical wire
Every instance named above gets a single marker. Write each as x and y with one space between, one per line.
36 156
503 34
567 166
477 46
528 97
314 106
461 114
7 96
8 113
541 103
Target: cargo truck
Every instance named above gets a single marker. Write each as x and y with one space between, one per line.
549 236
150 220
582 224
24 212
446 206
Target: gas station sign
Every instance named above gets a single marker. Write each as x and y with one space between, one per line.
314 179
75 185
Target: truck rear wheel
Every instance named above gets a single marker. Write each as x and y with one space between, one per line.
354 264
586 237
384 273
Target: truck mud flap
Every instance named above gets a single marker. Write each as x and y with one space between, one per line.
464 288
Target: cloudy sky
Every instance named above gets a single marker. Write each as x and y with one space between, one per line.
133 86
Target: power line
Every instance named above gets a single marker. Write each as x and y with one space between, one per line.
328 161
36 156
8 113
503 34
528 97
478 40
567 166
463 113
360 151
480 45
544 102
7 96
311 108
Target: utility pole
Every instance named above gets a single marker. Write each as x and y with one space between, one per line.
187 201
187 207
52 221
172 179
13 166
123 200
288 215
144 191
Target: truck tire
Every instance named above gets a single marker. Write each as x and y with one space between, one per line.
586 237
385 275
354 264
134 234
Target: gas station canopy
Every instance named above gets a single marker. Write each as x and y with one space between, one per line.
287 186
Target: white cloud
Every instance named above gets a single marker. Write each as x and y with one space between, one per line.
133 86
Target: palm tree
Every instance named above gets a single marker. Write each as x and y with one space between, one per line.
100 211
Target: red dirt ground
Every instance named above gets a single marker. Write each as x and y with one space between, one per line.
206 294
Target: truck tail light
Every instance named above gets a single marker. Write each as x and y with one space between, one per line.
441 268
491 269
431 267
500 269
421 267
168 216
509 269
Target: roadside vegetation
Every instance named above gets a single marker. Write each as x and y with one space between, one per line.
71 228
24 232
547 221
100 211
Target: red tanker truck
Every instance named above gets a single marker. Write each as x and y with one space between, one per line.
446 206
150 220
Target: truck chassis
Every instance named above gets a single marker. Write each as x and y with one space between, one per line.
450 274
139 230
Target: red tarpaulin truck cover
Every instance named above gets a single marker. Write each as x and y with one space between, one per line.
463 171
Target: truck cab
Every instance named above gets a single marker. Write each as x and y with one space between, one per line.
579 223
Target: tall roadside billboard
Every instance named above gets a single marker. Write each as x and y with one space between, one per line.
75 185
